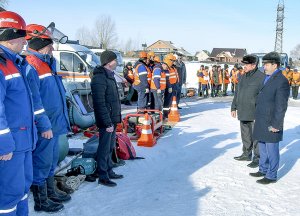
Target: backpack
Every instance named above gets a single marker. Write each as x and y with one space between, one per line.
125 149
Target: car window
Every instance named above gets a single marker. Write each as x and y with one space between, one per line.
70 62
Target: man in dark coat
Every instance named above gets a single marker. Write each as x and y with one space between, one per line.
243 106
107 109
271 105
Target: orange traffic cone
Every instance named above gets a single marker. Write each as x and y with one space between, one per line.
147 139
174 115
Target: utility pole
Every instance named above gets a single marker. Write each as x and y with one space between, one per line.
279 27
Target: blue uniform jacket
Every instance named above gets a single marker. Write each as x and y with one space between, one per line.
17 129
52 94
157 69
141 69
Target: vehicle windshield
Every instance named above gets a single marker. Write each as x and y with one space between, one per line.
90 58
119 59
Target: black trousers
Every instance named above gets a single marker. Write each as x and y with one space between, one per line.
249 144
107 143
295 90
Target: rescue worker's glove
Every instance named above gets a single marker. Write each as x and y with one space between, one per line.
158 91
147 90
170 90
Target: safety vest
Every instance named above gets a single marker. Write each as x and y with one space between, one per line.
220 73
198 75
226 77
137 80
173 76
234 76
288 75
204 80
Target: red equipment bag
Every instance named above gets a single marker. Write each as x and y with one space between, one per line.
125 149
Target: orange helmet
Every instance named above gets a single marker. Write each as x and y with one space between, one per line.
156 59
12 26
168 62
143 54
150 54
37 31
171 57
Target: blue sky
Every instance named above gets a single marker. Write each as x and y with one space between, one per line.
192 24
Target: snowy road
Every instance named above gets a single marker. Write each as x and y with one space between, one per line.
191 172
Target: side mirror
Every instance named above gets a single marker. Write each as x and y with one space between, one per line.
81 67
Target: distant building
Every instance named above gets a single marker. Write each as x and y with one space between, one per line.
202 55
162 47
227 54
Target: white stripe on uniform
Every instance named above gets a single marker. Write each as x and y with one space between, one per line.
15 75
5 131
39 111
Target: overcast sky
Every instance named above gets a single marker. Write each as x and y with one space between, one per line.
192 24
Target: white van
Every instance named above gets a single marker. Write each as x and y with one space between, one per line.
75 62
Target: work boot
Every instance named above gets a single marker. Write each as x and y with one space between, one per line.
113 175
54 193
107 182
243 157
62 185
254 163
266 181
257 174
41 201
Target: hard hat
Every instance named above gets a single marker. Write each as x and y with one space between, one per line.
12 26
37 31
168 62
156 59
143 54
150 54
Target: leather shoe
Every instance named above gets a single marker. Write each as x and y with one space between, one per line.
253 164
115 176
107 182
266 181
257 174
243 157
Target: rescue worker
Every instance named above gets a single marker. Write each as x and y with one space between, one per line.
173 79
288 73
226 80
151 63
234 78
200 78
129 76
158 84
213 77
204 76
167 64
52 93
140 84
17 128
295 82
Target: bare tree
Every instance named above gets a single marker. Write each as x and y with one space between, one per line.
105 32
84 36
295 55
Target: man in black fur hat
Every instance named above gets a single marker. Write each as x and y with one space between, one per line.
243 107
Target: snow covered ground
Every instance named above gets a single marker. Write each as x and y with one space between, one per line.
191 172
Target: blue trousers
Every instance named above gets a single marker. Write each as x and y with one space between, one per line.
269 159
107 143
45 159
15 182
158 103
143 99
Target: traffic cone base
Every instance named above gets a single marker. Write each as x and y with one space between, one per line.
174 115
147 139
